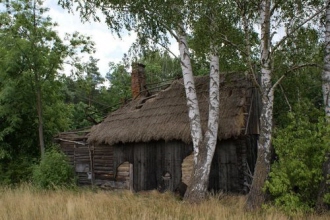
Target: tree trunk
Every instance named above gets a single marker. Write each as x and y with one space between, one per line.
189 84
326 69
256 195
40 117
199 182
38 86
321 206
40 122
203 147
325 183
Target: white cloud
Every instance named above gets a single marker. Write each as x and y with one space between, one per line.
109 48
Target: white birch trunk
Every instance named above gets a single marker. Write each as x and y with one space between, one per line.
189 84
204 147
256 196
324 185
266 84
211 135
326 69
199 182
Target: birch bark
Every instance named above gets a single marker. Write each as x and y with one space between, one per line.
189 84
324 185
199 182
326 69
204 146
256 196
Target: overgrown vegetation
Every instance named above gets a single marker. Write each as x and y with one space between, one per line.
53 171
300 148
86 204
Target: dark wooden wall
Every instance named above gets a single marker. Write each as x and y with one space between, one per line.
85 158
158 164
82 164
152 162
102 163
74 145
232 165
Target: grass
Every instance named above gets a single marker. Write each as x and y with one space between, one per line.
26 202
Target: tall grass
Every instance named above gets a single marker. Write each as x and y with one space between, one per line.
26 203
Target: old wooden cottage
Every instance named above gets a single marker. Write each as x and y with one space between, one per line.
146 144
90 164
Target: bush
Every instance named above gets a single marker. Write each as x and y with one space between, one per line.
300 148
53 171
15 170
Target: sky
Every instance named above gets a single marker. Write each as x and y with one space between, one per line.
109 48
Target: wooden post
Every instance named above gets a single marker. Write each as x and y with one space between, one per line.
131 177
74 158
91 162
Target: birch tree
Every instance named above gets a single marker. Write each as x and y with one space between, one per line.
292 15
324 186
203 144
326 69
153 21
256 197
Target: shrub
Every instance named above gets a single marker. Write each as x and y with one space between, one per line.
300 148
15 170
53 171
327 198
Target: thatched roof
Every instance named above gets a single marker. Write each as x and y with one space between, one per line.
165 116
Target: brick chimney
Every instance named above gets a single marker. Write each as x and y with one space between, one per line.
138 81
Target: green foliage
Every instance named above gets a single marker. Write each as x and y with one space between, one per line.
16 170
84 116
120 85
31 58
160 67
301 81
327 198
300 148
53 171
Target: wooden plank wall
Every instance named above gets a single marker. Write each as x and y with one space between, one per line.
103 167
171 155
96 160
144 167
163 165
226 169
68 141
156 165
251 142
232 163
68 150
82 164
73 144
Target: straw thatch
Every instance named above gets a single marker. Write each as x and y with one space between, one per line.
165 116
